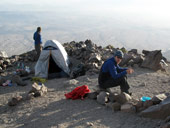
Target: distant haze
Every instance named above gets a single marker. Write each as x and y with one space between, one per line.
131 24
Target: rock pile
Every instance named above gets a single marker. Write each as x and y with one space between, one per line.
36 91
87 57
156 108
93 56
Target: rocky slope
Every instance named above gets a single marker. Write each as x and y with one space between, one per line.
54 110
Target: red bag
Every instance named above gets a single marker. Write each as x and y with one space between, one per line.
78 93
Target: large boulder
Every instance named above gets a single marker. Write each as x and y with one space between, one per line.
160 111
152 59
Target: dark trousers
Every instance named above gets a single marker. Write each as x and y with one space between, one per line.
109 82
38 49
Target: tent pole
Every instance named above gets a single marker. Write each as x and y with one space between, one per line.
49 63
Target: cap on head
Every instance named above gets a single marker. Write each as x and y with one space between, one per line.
119 54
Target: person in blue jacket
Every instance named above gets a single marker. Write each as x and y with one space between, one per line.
38 41
111 75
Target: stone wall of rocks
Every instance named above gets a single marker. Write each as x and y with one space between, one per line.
91 56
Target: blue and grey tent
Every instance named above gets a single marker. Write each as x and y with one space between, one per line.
53 59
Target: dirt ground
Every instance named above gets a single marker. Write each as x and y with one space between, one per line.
54 111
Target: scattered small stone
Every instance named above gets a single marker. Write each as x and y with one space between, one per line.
71 82
90 124
142 84
15 101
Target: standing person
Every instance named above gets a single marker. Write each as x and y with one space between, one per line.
111 75
37 41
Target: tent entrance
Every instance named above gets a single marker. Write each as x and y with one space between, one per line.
53 69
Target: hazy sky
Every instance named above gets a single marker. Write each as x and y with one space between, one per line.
149 12
126 22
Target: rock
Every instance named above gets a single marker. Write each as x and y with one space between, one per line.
142 84
137 60
16 79
128 107
3 54
94 57
114 106
167 119
1 70
123 98
71 82
152 59
89 45
90 124
1 62
126 59
38 90
92 95
159 111
139 106
6 62
147 103
158 98
29 96
166 125
102 98
112 97
135 51
35 88
15 101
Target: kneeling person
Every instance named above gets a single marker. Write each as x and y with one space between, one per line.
111 75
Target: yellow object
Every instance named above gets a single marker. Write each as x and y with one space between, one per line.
38 79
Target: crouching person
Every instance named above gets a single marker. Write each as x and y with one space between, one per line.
111 75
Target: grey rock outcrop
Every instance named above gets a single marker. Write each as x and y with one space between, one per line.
160 111
152 59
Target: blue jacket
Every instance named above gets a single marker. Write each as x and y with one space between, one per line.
37 38
110 66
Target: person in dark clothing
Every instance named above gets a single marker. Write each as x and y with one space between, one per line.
111 75
38 42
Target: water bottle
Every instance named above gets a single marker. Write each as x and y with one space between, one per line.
144 98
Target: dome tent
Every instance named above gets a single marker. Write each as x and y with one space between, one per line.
53 59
